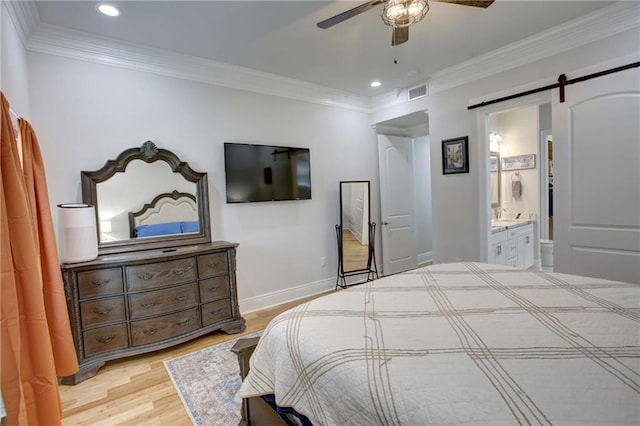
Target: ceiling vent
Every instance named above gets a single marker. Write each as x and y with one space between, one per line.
417 92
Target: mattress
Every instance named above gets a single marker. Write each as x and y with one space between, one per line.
462 343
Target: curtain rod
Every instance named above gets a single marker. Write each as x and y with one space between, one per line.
15 118
562 82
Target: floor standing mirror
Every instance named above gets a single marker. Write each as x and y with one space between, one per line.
355 234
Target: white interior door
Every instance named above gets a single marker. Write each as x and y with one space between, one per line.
596 199
399 240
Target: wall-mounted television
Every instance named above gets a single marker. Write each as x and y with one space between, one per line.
266 173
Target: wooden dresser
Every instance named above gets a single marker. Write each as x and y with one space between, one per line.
127 304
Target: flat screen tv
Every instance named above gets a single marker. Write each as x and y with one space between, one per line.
266 173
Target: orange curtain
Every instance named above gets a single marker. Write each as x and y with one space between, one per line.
64 353
36 342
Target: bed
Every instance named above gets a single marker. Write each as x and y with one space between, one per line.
461 343
168 213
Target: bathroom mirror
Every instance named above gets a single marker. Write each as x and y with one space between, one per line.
147 198
354 231
494 178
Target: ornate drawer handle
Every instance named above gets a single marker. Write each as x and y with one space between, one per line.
216 288
177 271
212 265
215 311
184 322
150 330
148 304
102 311
180 298
145 276
100 283
106 339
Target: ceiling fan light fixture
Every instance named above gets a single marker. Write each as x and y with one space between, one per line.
404 13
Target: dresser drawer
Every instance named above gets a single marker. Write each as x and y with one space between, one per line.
99 282
105 339
102 311
216 311
212 264
156 302
161 274
214 288
164 327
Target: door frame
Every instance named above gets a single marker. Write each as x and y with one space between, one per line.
543 162
484 183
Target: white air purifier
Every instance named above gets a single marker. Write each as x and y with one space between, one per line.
77 233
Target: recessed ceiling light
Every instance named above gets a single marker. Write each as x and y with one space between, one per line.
375 84
108 10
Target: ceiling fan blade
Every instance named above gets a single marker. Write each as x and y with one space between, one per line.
479 3
330 22
400 35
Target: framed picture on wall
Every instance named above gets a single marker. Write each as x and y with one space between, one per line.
455 155
519 162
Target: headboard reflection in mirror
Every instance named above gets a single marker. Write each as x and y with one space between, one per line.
147 198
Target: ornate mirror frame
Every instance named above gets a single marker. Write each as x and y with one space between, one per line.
149 153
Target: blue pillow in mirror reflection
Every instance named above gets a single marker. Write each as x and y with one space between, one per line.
193 226
158 229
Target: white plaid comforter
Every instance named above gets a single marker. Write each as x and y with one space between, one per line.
458 344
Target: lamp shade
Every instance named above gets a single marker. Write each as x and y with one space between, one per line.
77 234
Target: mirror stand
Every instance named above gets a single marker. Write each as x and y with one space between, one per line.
372 268
355 233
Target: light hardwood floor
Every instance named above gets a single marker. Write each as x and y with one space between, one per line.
138 390
355 255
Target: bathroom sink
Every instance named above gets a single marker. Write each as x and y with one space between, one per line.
507 223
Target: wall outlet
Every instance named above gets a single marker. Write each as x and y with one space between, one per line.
323 261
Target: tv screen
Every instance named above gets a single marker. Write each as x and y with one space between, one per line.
266 173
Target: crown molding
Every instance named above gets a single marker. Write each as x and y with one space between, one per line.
24 16
600 24
49 39
54 40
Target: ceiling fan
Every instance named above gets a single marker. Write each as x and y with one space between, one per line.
398 14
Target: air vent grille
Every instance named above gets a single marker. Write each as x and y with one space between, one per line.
417 92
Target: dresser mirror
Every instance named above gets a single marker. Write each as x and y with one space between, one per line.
147 198
494 178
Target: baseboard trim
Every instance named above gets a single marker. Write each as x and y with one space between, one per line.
275 298
425 257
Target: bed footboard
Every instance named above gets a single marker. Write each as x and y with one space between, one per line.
255 411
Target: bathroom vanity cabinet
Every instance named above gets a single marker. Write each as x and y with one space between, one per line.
512 245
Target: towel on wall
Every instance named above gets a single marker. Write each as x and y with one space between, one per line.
516 188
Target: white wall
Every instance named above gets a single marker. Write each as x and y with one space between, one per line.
422 197
460 213
13 66
87 113
519 130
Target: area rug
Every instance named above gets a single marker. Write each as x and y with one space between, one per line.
207 381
